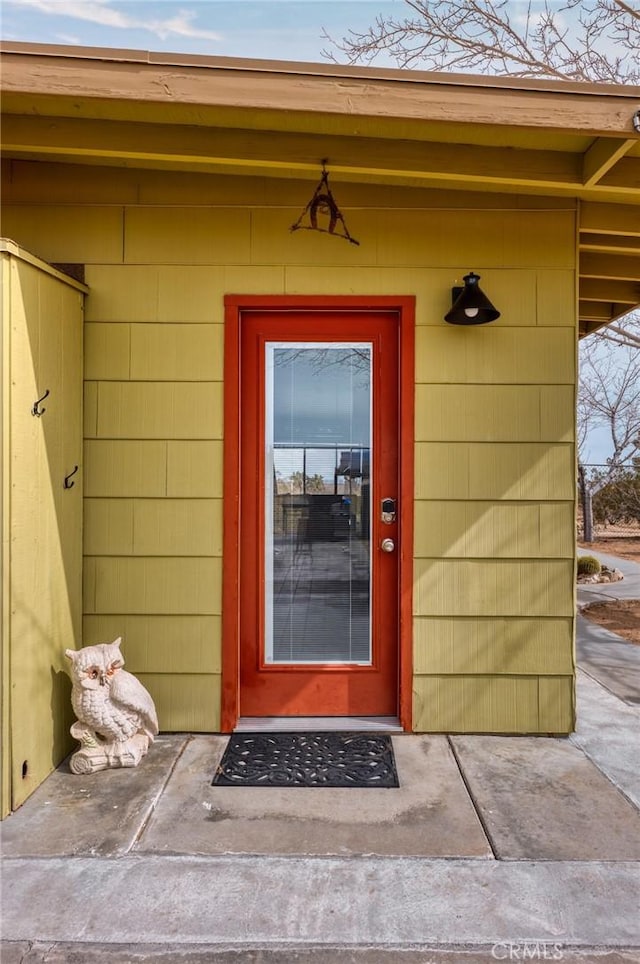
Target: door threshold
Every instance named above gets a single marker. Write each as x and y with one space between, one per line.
318 724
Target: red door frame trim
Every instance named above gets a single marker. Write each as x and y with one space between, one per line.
404 305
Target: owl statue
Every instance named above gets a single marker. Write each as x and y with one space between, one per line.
106 699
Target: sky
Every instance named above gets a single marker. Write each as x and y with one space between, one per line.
270 29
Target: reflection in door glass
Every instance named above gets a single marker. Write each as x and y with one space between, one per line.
318 499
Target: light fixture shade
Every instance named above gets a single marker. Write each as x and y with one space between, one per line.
470 304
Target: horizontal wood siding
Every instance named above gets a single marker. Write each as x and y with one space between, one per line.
494 448
494 513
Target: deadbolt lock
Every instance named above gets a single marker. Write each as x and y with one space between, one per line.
388 511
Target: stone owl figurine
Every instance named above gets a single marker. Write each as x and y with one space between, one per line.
116 717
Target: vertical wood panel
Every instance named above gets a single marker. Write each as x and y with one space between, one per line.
495 413
185 236
177 527
87 235
108 527
160 644
194 469
194 293
107 351
189 293
158 585
455 354
183 352
555 297
495 530
476 704
5 526
90 420
117 468
489 587
513 290
537 472
273 243
491 239
185 703
122 293
460 645
159 410
45 519
557 704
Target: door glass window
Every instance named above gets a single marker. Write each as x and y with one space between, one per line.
318 502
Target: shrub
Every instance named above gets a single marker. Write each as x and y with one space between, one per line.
588 566
619 500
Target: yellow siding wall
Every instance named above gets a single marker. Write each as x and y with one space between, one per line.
42 521
5 527
494 447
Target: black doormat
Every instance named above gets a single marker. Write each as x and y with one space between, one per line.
307 760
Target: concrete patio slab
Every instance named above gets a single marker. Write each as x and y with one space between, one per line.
430 814
370 901
38 953
99 814
169 906
609 733
542 799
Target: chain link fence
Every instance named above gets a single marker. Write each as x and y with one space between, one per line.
612 498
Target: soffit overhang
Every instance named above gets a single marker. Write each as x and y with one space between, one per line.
382 126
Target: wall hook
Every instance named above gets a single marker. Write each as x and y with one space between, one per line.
39 411
67 483
324 203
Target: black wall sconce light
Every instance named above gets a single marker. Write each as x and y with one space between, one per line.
470 305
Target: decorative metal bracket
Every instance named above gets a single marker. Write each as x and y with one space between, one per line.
35 409
67 483
323 203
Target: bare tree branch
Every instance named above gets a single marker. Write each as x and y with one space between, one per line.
571 40
626 337
625 332
609 396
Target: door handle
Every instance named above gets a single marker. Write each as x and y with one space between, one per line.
387 545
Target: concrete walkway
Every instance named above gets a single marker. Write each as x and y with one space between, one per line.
493 848
605 656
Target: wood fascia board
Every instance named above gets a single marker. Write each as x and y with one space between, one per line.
595 110
334 70
601 157
618 267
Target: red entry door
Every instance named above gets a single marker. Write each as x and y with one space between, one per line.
319 534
